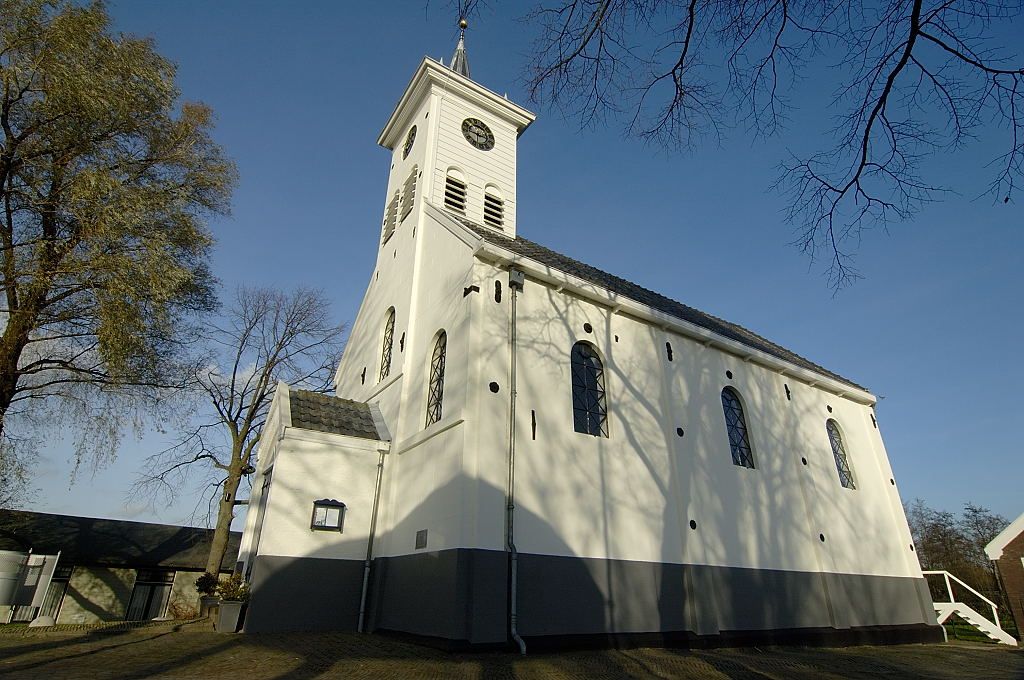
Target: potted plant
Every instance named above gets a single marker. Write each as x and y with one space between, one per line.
234 593
207 587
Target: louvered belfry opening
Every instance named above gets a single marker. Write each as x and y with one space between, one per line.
494 210
455 194
391 219
408 193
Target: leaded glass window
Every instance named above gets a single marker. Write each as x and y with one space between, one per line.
736 424
435 392
839 451
589 409
389 340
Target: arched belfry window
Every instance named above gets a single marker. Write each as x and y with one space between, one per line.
409 193
835 437
589 408
435 390
386 345
391 219
455 191
736 424
494 207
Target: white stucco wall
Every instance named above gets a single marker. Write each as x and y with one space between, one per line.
310 466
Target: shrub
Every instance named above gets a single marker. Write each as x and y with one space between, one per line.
233 589
207 583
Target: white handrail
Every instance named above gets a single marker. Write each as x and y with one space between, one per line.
949 589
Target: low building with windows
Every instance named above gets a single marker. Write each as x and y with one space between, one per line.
524 448
111 570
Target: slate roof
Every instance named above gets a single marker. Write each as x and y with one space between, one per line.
620 286
324 413
88 541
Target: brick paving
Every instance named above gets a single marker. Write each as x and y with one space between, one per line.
193 650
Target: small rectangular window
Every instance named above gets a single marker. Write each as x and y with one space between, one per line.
454 194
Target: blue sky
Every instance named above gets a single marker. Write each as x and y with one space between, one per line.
301 91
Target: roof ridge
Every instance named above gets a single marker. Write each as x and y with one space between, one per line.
624 287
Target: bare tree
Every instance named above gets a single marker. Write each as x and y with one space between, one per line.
945 541
266 336
915 78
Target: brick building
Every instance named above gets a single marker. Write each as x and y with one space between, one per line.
1007 551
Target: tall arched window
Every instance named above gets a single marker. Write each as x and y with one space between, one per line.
589 410
435 390
835 437
389 340
736 424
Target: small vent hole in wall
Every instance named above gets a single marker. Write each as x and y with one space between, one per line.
454 194
789 395
668 350
497 291
693 525
821 537
728 374
588 328
401 343
494 210
616 338
892 481
421 539
828 408
493 387
362 376
911 547
679 431
533 424
803 460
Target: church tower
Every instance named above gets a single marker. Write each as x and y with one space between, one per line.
453 141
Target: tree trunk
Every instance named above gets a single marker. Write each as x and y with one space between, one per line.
225 513
12 344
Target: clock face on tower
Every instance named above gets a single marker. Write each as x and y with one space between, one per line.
478 134
409 139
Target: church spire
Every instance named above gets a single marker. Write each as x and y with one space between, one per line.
460 62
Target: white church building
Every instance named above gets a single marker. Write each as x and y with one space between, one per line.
524 449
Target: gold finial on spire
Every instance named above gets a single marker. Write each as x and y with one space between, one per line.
460 62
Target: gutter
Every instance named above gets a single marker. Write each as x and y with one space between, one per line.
516 279
368 561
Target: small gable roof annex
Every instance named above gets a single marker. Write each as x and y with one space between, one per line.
334 415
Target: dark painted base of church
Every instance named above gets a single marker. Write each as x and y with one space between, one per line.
458 599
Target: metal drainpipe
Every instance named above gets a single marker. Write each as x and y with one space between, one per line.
515 284
369 545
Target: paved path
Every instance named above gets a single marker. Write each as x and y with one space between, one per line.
191 650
